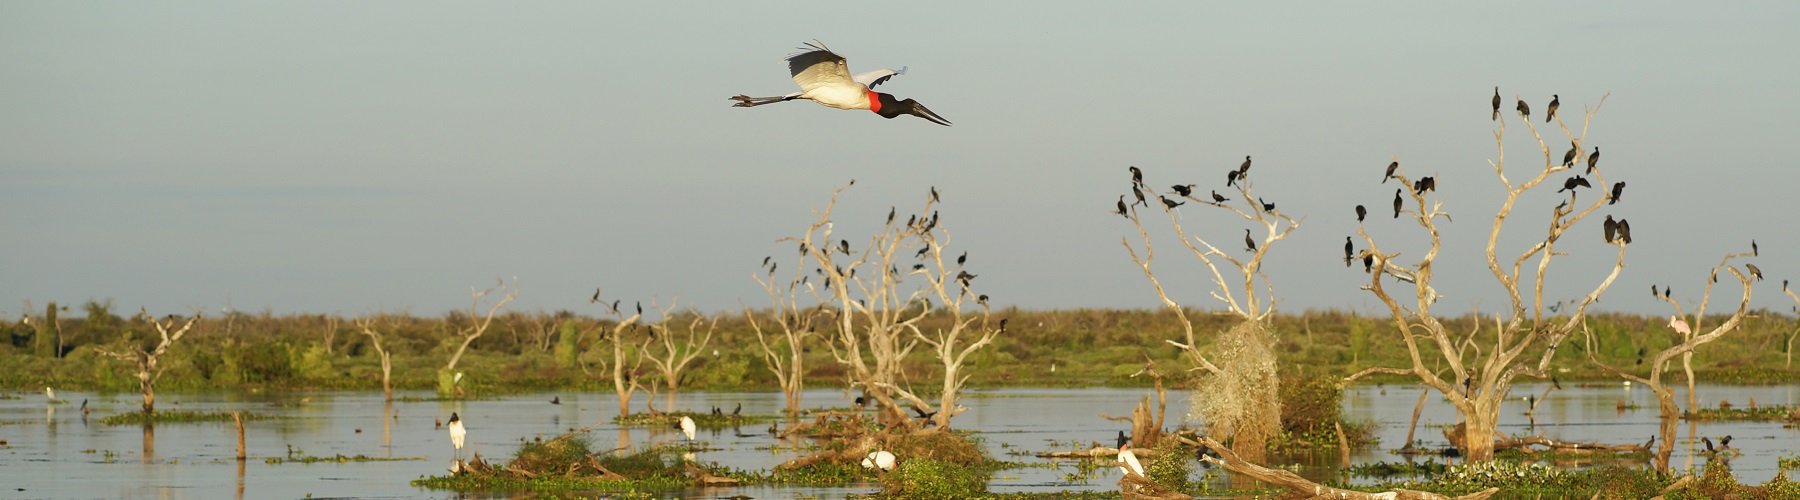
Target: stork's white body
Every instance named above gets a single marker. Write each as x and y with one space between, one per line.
687 427
880 459
1129 462
457 434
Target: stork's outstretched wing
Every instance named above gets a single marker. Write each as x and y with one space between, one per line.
877 77
818 67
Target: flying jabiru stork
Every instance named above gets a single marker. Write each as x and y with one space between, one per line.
825 78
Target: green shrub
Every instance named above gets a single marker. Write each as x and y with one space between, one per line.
927 478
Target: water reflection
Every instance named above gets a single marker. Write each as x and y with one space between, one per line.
1014 424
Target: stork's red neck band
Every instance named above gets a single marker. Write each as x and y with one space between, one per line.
874 102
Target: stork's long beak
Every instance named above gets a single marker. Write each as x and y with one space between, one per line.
914 108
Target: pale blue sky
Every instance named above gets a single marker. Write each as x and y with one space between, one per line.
356 156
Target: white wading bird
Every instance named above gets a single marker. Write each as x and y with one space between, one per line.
825 78
1128 462
457 433
881 459
687 427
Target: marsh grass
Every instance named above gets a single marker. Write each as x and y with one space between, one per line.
338 459
177 417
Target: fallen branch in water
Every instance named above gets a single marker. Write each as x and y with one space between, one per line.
1299 487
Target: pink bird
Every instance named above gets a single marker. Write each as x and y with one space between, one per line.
1679 325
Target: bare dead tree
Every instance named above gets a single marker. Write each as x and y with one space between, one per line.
1665 396
1698 323
669 350
478 326
1483 363
626 380
968 312
146 359
1241 393
782 331
331 332
371 326
1791 336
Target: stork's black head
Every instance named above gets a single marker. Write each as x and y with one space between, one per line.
890 107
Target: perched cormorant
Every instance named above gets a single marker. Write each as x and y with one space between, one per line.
1121 211
1267 207
964 277
1653 292
1349 251
1231 177
1618 188
1219 199
1368 263
960 259
1524 109
1361 212
1184 190
1397 203
1140 195
1708 442
1170 204
1396 166
1555 102
1496 103
934 196
1137 176
1244 170
1753 250
844 246
1725 442
1593 159
1574 182
1425 184
1625 231
1754 271
1569 156
1249 242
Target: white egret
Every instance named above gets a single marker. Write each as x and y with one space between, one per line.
687 427
881 459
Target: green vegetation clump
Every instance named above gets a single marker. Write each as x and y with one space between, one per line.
309 459
928 478
1310 413
566 465
1760 414
176 417
1172 466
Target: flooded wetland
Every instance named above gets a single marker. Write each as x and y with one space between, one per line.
57 451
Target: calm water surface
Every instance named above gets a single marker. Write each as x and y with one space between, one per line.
54 452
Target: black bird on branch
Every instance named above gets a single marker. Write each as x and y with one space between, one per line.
1244 170
1231 177
1349 251
1396 164
1618 189
1754 271
1569 156
1184 189
1249 242
1555 102
1267 207
1169 203
1137 176
1496 104
1139 194
1424 184
1667 291
1753 251
1219 199
934 195
1368 263
844 246
1398 203
1524 109
921 253
960 259
890 215
1121 211
1625 231
1654 293
596 297
1612 229
1593 159
1574 182
964 278
1709 446
1361 213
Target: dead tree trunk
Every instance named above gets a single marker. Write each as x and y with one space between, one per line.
146 360
371 326
1522 341
478 326
1240 397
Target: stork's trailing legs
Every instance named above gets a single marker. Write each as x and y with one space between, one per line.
744 101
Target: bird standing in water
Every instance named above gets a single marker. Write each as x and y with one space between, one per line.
457 433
